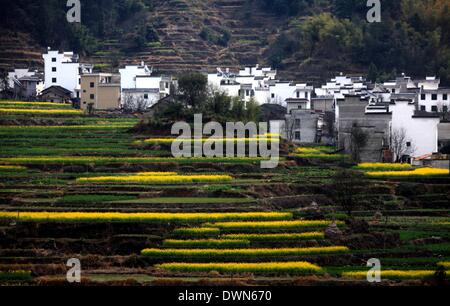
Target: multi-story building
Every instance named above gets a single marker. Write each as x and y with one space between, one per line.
259 84
100 90
64 70
139 85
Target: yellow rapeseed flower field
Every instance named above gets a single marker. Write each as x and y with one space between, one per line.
223 253
41 111
203 140
276 237
141 217
170 178
445 264
384 166
235 267
11 168
422 172
271 225
392 274
32 103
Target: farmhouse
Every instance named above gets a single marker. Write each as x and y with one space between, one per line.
64 70
259 84
140 86
100 90
56 94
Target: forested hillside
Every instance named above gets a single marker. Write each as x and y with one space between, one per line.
305 39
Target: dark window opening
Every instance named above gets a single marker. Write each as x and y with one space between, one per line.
92 85
434 97
422 108
53 80
53 69
434 108
54 59
92 96
422 97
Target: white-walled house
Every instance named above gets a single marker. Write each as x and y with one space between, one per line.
15 75
64 69
138 84
421 128
260 84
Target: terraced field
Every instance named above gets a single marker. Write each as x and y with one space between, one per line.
77 186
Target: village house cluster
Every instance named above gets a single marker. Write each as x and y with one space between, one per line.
404 119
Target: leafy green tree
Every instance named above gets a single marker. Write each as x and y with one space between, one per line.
193 89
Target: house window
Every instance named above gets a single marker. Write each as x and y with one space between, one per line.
145 96
298 94
297 123
445 108
53 80
434 108
408 144
273 96
167 85
297 136
54 59
434 97
445 97
92 85
422 97
247 92
422 108
53 69
393 90
92 96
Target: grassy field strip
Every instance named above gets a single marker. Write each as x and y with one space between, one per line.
259 268
393 274
205 244
249 226
96 159
187 200
15 276
241 253
140 217
276 237
194 232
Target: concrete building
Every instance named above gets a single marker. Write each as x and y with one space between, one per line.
29 87
259 84
420 127
64 70
101 90
140 86
356 113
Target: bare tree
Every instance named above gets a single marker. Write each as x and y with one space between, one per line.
289 128
400 144
141 104
359 140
